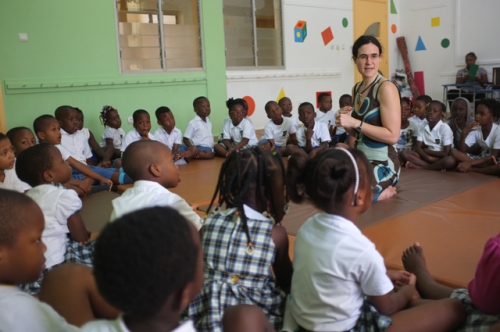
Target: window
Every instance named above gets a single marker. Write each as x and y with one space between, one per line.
253 34
159 35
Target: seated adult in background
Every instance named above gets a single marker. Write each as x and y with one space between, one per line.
463 77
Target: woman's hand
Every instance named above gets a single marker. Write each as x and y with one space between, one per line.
344 118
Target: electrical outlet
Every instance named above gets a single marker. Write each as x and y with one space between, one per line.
23 37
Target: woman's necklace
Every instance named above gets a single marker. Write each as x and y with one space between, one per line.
359 97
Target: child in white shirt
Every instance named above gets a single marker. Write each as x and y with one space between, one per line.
408 131
141 131
314 136
171 136
199 130
350 290
239 133
434 142
101 157
113 135
286 106
419 106
150 164
339 135
278 131
22 252
8 176
324 113
65 235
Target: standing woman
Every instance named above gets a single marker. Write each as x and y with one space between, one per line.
376 116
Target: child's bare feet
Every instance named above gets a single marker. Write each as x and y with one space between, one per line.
387 193
411 165
414 260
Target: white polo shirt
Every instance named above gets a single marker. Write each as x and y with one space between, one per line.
77 145
488 144
12 182
327 118
118 325
334 267
437 138
237 133
116 135
200 132
175 137
321 135
279 133
145 194
133 136
418 123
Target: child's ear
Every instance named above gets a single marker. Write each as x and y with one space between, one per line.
48 176
155 170
40 135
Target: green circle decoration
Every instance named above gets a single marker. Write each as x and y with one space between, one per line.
345 22
445 43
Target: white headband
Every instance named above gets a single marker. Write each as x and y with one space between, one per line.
356 185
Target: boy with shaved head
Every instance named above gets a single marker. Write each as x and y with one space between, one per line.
150 165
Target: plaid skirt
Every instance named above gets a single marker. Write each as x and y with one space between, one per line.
75 253
476 320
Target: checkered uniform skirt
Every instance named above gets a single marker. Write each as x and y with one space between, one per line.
234 276
75 253
476 320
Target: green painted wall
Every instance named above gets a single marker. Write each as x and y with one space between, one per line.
71 59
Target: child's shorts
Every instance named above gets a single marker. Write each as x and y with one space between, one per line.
248 146
265 140
476 319
75 253
104 172
205 148
303 148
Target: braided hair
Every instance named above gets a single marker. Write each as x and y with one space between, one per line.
103 116
247 170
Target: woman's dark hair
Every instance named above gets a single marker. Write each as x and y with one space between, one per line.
363 40
245 170
327 179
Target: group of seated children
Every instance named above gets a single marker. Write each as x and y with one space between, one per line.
466 144
150 268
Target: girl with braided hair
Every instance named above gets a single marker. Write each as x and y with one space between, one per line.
245 243
113 134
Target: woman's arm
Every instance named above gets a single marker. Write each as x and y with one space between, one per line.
390 114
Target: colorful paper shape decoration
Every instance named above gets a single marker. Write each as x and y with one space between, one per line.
393 8
345 22
281 95
445 43
300 31
327 35
251 104
420 45
317 95
394 28
435 21
419 81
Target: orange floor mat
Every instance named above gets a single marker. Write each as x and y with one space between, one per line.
452 232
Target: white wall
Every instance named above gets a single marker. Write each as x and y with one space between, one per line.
470 32
310 66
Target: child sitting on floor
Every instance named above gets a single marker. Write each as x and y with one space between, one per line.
237 134
313 137
141 131
171 136
419 107
408 132
113 134
100 156
199 130
76 144
21 138
433 144
339 135
166 275
150 164
22 261
277 131
480 299
324 113
286 106
47 130
8 175
65 235
349 290
460 118
243 242
480 142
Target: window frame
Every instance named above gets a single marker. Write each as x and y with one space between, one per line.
164 69
256 67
